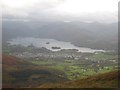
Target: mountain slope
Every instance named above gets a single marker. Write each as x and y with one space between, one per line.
107 80
20 73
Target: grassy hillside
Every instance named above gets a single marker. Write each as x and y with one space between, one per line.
19 73
107 80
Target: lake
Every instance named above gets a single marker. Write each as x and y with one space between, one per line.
49 44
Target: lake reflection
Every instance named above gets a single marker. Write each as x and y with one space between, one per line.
49 44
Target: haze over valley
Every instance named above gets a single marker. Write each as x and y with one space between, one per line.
46 42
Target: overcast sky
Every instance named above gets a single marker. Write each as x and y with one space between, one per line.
64 10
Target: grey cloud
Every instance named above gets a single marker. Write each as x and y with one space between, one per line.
45 10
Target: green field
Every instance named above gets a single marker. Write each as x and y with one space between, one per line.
75 71
104 56
87 65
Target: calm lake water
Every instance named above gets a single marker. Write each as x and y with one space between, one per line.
49 43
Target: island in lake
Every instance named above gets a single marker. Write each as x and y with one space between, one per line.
56 47
47 42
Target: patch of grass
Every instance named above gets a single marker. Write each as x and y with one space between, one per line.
41 62
106 80
103 56
72 70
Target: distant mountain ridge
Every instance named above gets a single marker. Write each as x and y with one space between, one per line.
92 35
